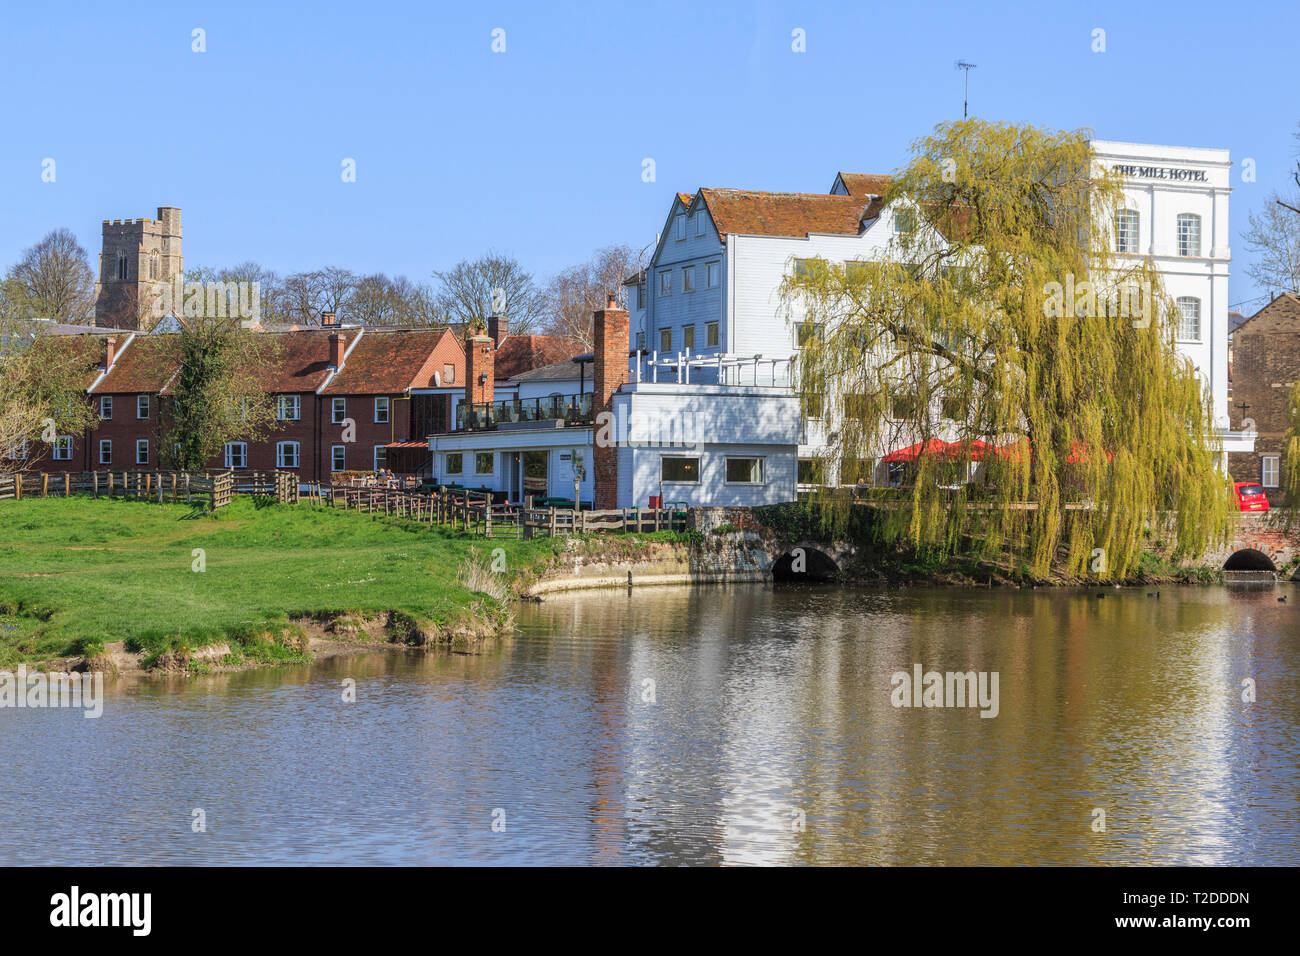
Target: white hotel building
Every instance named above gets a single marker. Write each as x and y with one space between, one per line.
704 410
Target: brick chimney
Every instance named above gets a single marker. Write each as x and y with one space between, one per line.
609 373
480 371
110 351
327 318
498 328
336 350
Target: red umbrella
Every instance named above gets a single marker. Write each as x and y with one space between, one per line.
977 449
933 446
1078 452
1081 452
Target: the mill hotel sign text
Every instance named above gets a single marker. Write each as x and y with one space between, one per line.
1163 172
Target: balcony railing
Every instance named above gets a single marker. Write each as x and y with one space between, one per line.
571 409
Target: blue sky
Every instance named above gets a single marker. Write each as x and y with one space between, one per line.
538 151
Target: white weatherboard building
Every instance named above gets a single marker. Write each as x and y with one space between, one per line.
705 410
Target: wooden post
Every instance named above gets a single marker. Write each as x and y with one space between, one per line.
552 521
45 485
67 484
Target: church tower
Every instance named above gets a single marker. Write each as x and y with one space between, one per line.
136 255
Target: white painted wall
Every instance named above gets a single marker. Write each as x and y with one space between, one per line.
1158 201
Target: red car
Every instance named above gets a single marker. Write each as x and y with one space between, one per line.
1250 496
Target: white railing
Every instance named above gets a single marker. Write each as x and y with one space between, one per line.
683 368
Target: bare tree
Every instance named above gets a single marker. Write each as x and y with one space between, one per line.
376 301
55 278
576 292
1274 236
308 294
472 290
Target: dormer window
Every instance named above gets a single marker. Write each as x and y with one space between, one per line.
679 227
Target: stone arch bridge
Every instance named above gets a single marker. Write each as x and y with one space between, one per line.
1266 542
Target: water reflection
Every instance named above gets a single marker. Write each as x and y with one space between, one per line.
737 725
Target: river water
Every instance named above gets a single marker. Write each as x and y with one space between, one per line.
746 725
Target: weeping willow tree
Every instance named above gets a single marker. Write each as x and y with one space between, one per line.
1291 450
1023 374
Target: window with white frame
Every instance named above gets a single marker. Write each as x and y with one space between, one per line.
679 470
338 458
744 471
1126 231
804 333
106 407
63 448
287 407
381 410
1269 469
1189 319
338 410
381 457
286 454
665 283
236 454
484 462
804 267
106 451
455 463
904 222
712 272
1189 234
142 451
142 406
679 226
18 450
688 279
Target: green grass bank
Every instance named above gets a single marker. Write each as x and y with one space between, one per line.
78 574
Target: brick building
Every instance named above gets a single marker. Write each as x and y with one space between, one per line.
127 400
1265 368
347 398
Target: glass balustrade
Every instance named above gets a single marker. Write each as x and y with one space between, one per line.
479 416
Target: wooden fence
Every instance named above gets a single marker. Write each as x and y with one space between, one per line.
474 511
216 488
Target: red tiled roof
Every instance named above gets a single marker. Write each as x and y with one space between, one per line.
865 184
300 361
523 353
797 215
387 361
80 353
750 213
146 365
